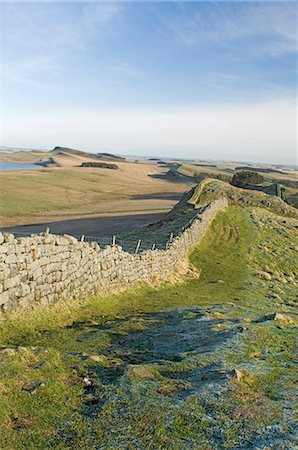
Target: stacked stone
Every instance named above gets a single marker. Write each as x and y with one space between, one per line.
43 269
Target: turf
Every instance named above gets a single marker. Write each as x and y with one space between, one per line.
159 363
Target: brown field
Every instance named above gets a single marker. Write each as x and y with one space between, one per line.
69 191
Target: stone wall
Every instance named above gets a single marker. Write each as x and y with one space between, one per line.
43 269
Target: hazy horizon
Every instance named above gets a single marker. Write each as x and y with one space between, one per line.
193 80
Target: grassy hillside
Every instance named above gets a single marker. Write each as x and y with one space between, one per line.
271 173
191 365
187 209
210 189
22 157
277 182
28 196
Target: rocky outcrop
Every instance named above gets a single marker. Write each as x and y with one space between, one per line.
47 162
110 156
100 165
43 269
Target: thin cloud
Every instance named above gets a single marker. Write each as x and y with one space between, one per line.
29 66
267 88
56 28
48 35
275 24
97 15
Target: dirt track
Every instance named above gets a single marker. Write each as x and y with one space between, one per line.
95 226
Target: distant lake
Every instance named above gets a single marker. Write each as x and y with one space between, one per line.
16 166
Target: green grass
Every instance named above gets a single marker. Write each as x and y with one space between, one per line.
210 189
32 192
149 326
286 187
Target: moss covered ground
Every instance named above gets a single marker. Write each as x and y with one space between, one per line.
202 364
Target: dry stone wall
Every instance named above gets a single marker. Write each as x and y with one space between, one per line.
43 269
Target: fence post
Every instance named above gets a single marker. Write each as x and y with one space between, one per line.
153 247
167 245
192 239
171 237
114 240
184 239
138 246
82 238
47 231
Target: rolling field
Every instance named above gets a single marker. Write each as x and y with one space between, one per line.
69 191
60 192
22 157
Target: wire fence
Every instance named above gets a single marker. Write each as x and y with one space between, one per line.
134 245
128 245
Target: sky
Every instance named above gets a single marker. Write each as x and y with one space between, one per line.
197 80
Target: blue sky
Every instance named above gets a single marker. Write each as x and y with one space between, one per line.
192 79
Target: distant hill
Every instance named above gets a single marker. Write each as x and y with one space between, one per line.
11 150
71 151
66 151
110 156
259 169
176 177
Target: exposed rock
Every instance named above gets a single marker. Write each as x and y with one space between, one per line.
87 381
265 275
284 318
246 320
96 358
8 237
237 374
100 165
219 315
8 351
47 162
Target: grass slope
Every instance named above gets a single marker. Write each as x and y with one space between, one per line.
160 360
210 189
28 196
276 182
